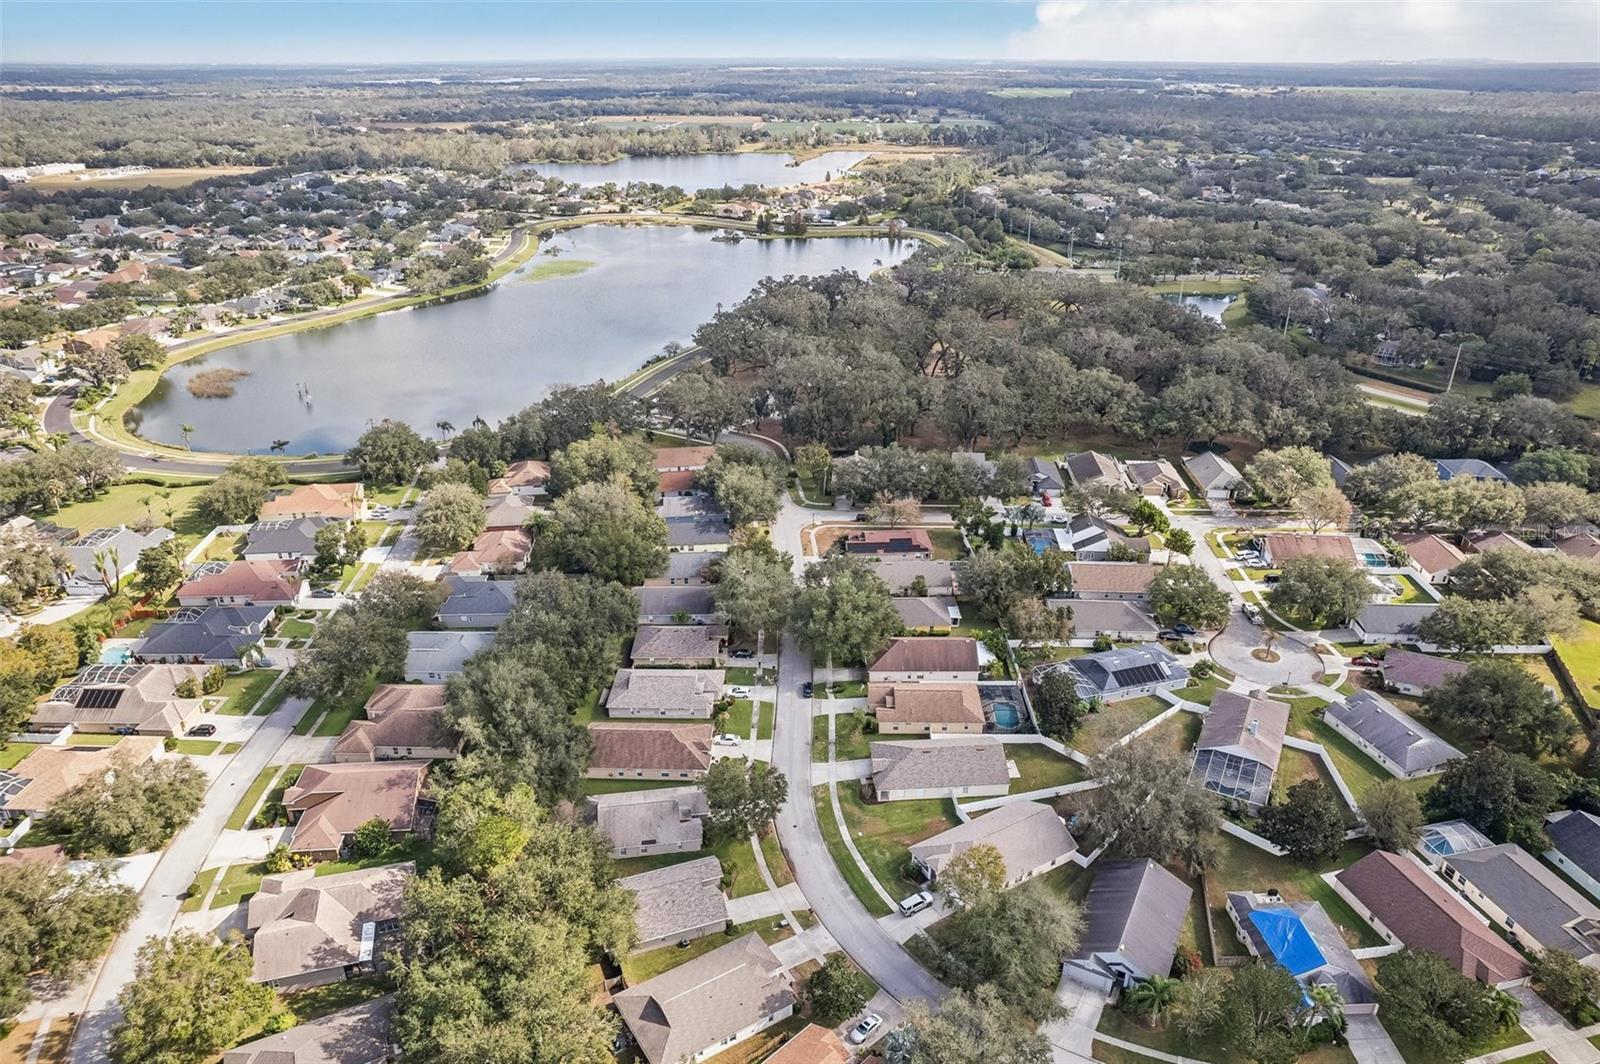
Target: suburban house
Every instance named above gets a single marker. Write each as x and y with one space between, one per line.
1031 837
686 646
1116 618
928 614
527 478
329 802
1432 556
710 532
1214 474
287 540
1384 622
1575 838
1044 476
1446 838
939 768
477 603
1127 672
1278 548
910 659
1127 581
1410 673
1239 746
1402 746
1156 477
664 693
676 482
123 700
405 722
648 822
506 513
1535 907
39 780
309 930
341 502
1299 936
1134 914
1484 542
1092 467
494 552
702 1007
649 751
898 542
1467 469
683 567
1091 539
356 1035
208 635
926 708
106 555
812 1045
264 583
682 459
1408 906
938 576
676 605
678 903
434 657
1582 545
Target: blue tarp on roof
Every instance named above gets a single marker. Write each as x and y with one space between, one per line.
1288 939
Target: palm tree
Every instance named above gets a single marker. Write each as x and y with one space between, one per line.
56 440
1326 1004
145 500
1154 997
279 446
108 563
184 430
445 429
1507 1010
166 504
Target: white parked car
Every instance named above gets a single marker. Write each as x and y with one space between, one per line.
916 903
726 740
863 1030
1252 612
739 692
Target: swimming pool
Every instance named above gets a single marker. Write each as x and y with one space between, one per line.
116 655
1040 540
1005 715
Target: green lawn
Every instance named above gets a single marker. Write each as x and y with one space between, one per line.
247 801
841 856
849 743
740 676
740 876
847 689
1100 730
410 849
95 739
294 628
1180 732
321 1000
238 883
1296 766
947 545
336 715
884 832
244 690
768 716
1202 690
615 786
11 753
777 863
641 966
1359 771
123 504
739 720
1414 1054
1110 1054
1041 767
1119 1024
1580 653
197 747
1243 867
197 891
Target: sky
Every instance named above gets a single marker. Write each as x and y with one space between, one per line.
354 32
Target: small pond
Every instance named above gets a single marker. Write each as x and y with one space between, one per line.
1208 306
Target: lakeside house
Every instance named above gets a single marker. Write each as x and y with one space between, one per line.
339 502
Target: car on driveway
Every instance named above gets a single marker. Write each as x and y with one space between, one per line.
863 1030
203 730
806 689
324 592
742 653
739 692
1184 629
915 904
727 740
1365 662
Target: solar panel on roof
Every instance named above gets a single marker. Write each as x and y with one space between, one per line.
99 697
1137 675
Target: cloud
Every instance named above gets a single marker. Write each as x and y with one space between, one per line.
1311 31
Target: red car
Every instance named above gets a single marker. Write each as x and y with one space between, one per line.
1365 662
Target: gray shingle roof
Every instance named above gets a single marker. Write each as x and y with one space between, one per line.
1540 901
1395 735
1577 835
1393 619
213 633
666 601
1136 909
1211 470
681 642
690 690
292 537
661 815
939 764
676 899
357 1035
1027 834
489 600
1419 670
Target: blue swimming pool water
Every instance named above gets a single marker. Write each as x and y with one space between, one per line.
1040 541
116 656
1006 716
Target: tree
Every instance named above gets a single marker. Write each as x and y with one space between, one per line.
1285 474
755 589
1015 942
132 808
837 991
1000 579
1503 702
1445 1014
747 483
1057 707
843 611
231 499
365 637
743 797
331 555
979 1025
1181 542
452 517
1147 516
138 351
30 563
159 567
1145 806
885 509
1393 487
602 458
814 462
1322 507
1260 1013
1155 997
1566 983
601 529
1201 999
1310 824
1393 815
56 921
1506 795
98 368
702 403
1320 591
390 452
1553 465
974 877
1186 594
372 838
191 997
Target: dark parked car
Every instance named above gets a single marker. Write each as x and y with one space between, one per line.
1365 662
1169 633
805 689
1183 629
863 517
743 653
203 729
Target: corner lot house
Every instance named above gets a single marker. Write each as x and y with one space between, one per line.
1127 581
434 657
1281 547
341 502
89 573
405 722
649 751
1127 672
939 768
329 802
678 903
1432 556
1135 912
309 930
924 708
122 699
1407 906
289 539
717 1000
208 635
1239 746
1576 838
1411 673
688 693
1030 836
357 1035
1534 906
685 646
1214 474
911 659
648 822
264 583
899 542
477 603
1402 746
1299 936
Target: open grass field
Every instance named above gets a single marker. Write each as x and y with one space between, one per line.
841 855
947 545
130 503
162 177
884 832
1580 653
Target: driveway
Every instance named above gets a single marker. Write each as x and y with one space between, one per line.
1370 1043
1072 1037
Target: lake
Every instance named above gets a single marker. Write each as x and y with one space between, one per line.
1208 306
712 170
490 354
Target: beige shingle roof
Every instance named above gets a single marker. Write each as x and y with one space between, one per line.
302 922
926 703
681 642
334 800
140 697
939 764
52 771
693 691
325 500
678 898
1027 834
1124 578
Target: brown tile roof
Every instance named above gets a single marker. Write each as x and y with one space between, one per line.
1580 546
1419 670
334 800
1285 545
926 703
813 1045
1497 541
682 457
675 480
665 747
1124 578
500 548
271 580
323 500
528 473
928 653
1422 913
411 729
1432 554
52 771
387 697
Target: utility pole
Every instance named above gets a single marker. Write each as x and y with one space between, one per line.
1072 236
1451 383
1287 311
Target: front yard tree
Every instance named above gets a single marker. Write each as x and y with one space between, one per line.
331 554
159 567
703 404
231 499
1147 516
1322 507
138 351
55 922
604 530
191 997
974 877
969 1026
1179 541
1393 815
1320 591
128 810
747 483
743 796
999 579
887 509
602 458
1145 806
755 591
391 452
814 462
1444 1013
1185 594
1309 823
1567 984
1014 942
1500 701
1505 795
29 563
451 518
1058 709
843 611
1260 1016
838 990
1284 474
